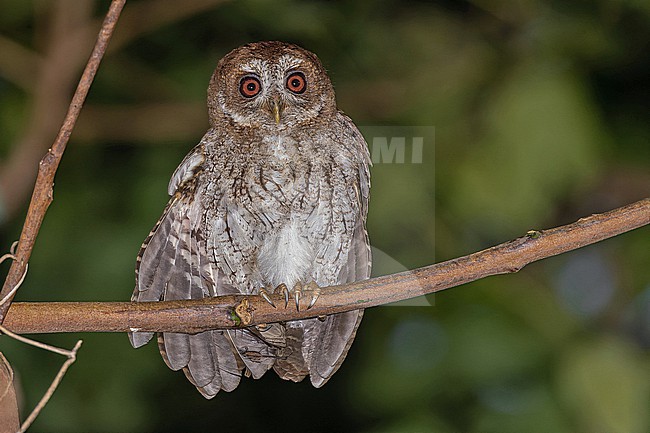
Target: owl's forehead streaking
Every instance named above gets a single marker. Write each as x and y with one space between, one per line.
268 55
284 63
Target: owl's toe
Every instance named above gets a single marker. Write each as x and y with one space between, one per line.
297 294
315 293
265 295
282 288
311 288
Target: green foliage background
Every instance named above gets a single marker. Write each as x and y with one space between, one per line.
541 116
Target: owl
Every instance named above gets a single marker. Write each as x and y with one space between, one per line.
273 199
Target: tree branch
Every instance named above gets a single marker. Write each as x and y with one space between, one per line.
236 311
43 190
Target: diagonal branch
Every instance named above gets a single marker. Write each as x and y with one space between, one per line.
235 311
43 190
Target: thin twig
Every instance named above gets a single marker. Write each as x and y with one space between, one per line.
13 291
70 354
12 255
72 357
10 378
43 190
35 343
214 313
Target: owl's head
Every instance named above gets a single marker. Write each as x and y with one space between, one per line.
269 84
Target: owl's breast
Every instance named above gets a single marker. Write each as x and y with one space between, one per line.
292 206
277 177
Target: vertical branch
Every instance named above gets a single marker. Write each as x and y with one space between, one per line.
43 189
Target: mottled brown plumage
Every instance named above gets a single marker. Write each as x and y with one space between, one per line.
275 192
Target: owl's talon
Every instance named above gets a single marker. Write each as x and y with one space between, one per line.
314 296
264 294
297 294
282 288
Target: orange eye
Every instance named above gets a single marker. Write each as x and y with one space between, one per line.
297 83
249 87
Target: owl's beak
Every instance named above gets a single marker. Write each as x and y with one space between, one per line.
276 111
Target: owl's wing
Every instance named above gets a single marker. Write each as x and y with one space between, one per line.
157 256
173 264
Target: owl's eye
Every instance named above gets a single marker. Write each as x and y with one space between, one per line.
297 83
249 86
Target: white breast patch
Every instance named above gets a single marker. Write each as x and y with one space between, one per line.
286 256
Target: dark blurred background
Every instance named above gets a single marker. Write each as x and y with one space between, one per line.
541 115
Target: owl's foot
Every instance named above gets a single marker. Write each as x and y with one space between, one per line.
282 288
310 287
